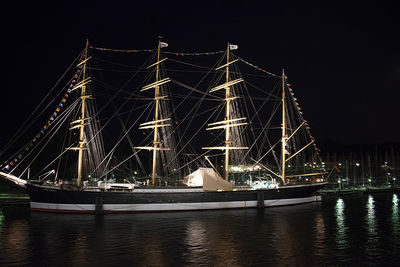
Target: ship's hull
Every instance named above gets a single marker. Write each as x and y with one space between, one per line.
156 200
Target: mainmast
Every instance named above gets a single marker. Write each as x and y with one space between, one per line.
156 120
82 121
227 122
227 115
284 135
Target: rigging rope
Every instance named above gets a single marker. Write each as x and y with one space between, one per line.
195 108
122 50
58 125
49 123
258 68
153 50
16 136
196 53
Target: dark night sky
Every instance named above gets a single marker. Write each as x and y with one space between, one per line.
343 58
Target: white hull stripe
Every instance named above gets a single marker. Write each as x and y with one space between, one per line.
168 206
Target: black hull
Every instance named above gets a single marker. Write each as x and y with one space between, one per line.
154 200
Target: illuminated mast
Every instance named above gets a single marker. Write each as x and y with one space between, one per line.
284 136
82 121
157 120
227 122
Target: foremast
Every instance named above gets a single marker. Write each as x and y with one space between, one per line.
157 120
82 121
228 122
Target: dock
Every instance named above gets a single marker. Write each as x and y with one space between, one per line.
359 190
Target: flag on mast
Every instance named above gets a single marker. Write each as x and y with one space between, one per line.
163 44
233 47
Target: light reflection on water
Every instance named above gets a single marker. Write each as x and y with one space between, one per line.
320 234
395 217
341 227
395 210
371 221
372 238
376 232
197 247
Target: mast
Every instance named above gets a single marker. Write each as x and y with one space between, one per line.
82 121
227 116
284 136
227 123
82 141
156 108
156 119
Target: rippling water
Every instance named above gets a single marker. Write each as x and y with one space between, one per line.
360 230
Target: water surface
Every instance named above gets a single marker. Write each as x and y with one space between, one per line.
360 230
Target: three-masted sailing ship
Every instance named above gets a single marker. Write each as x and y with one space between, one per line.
241 176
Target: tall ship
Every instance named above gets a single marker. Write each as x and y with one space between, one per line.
152 130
